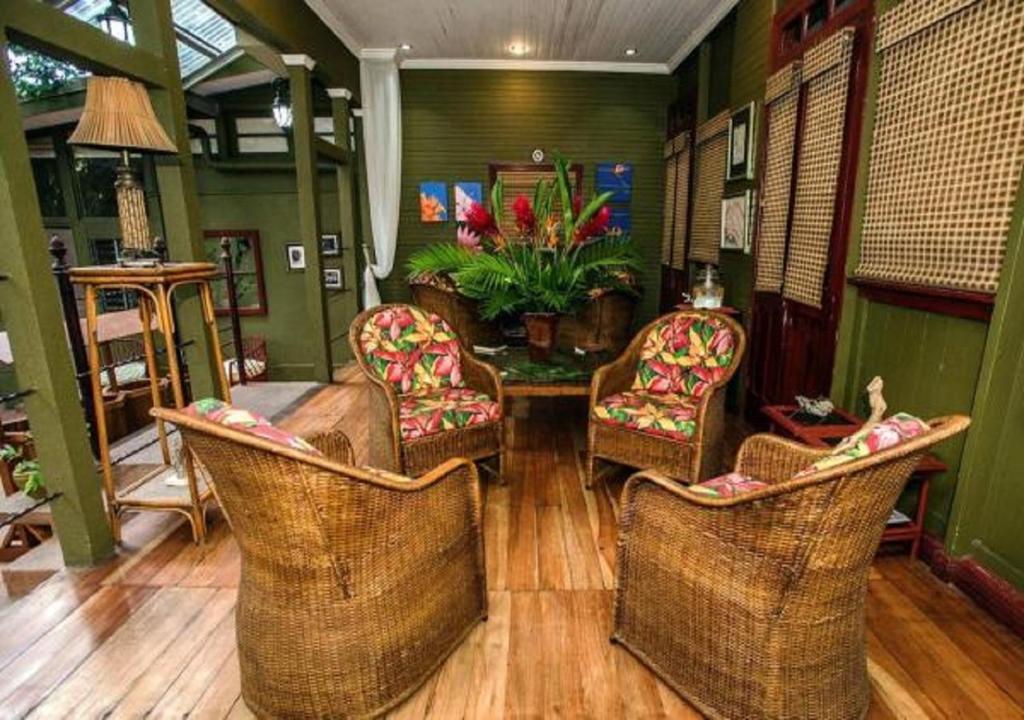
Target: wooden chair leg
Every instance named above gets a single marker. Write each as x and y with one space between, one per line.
197 518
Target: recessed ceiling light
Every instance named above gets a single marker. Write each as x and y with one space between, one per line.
405 46
630 52
518 48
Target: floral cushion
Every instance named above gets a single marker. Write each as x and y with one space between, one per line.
246 421
665 414
685 354
727 486
886 434
430 412
411 349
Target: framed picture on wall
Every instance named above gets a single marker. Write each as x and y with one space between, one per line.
296 255
736 222
330 244
466 193
332 279
247 267
433 202
741 144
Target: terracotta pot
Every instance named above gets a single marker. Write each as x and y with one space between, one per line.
541 329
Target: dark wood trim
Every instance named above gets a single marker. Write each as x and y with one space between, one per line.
261 288
957 303
999 598
836 19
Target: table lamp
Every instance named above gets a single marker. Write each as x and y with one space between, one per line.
118 115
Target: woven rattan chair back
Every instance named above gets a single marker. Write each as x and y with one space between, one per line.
753 606
355 584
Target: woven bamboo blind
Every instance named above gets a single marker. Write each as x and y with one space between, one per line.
826 74
677 198
709 184
524 182
782 102
948 147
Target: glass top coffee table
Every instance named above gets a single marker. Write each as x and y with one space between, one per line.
563 375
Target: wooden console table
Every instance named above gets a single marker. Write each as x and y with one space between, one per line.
155 286
788 420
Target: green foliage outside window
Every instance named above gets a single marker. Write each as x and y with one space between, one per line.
37 75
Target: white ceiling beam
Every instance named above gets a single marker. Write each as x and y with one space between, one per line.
534 65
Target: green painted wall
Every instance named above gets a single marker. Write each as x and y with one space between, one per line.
456 122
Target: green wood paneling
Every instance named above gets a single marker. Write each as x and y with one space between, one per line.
456 122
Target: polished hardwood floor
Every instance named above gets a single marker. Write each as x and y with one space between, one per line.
152 632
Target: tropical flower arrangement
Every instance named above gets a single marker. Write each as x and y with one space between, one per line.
557 258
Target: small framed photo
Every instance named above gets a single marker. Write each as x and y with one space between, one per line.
736 221
332 279
330 244
741 144
296 253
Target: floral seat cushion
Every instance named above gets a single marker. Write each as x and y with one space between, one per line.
667 415
889 433
411 349
433 411
685 354
220 412
727 486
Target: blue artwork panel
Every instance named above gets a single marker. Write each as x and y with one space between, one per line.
433 202
466 193
616 178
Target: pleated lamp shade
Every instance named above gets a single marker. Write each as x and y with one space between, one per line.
118 114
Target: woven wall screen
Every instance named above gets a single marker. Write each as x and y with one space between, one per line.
677 199
948 147
782 100
708 186
523 181
826 74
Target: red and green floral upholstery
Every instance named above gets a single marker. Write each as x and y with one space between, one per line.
429 412
685 354
220 412
411 349
889 433
727 486
668 415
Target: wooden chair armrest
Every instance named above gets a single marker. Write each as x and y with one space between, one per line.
616 376
334 444
482 377
772 459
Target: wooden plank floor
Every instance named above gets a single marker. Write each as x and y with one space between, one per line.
152 632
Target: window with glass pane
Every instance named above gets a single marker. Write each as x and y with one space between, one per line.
51 198
105 251
247 264
97 173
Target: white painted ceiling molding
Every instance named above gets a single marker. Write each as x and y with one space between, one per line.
534 65
582 35
343 93
299 61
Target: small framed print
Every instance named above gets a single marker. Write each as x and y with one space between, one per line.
330 245
296 254
332 279
736 222
740 165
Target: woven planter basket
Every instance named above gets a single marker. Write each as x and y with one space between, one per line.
605 323
462 313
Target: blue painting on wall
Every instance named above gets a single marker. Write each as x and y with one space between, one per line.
433 202
466 193
617 178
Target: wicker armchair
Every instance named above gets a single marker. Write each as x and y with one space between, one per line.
753 606
661 404
355 584
430 400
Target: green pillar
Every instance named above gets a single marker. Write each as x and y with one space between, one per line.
348 203
176 179
43 363
300 79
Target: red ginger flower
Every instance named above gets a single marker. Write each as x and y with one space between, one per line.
594 227
480 221
526 221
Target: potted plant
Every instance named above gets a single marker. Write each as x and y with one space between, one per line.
548 268
26 473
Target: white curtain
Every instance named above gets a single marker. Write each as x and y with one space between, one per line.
382 135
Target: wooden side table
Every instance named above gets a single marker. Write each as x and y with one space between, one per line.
786 420
155 287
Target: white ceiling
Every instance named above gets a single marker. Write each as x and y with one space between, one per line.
559 34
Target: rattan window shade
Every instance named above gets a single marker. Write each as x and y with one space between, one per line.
948 146
826 75
708 187
523 181
782 103
677 201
